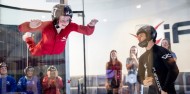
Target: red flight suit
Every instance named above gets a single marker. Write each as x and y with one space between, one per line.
52 42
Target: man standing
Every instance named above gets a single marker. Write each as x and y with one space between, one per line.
157 67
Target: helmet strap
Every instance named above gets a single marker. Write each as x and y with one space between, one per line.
143 43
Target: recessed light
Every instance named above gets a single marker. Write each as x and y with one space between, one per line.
138 6
105 20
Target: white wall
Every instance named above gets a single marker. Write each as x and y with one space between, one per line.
123 18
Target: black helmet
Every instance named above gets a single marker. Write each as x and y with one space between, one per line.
150 32
61 10
3 64
52 68
29 68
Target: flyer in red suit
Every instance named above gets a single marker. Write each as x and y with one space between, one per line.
54 33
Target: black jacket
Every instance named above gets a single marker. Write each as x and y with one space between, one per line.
160 65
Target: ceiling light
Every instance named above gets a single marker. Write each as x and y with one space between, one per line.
138 6
105 20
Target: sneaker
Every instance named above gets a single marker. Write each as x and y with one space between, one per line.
26 35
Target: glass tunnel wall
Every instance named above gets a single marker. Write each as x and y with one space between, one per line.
14 51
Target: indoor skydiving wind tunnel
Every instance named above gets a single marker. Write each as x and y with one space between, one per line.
22 55
82 67
16 55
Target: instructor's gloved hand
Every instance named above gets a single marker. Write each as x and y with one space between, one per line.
163 92
148 81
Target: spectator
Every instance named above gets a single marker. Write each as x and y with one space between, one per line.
132 66
29 84
7 82
166 44
52 83
113 74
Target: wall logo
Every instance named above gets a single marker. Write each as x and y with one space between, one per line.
175 30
